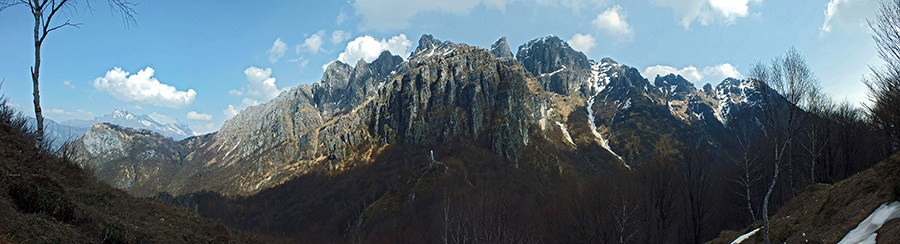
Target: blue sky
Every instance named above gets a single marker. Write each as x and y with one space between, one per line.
202 61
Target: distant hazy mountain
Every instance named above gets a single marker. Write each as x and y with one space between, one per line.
158 123
59 133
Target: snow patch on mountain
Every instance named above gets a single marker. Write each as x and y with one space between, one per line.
565 132
864 233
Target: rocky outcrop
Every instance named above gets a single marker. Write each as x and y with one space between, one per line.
139 161
501 49
557 66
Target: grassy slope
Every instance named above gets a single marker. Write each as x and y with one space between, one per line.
825 213
46 199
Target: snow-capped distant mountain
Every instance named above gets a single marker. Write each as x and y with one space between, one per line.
162 124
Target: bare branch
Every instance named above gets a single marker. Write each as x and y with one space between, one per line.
76 25
7 4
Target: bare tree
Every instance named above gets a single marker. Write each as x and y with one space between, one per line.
747 164
816 132
884 85
789 82
45 13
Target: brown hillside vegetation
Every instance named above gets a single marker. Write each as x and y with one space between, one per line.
825 213
45 198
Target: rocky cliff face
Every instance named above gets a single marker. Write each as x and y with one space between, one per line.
549 107
139 161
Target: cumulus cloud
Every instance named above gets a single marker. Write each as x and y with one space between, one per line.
231 111
368 49
613 22
338 36
69 84
277 50
707 11
690 73
721 71
143 88
261 88
693 74
582 42
194 115
848 12
262 85
313 43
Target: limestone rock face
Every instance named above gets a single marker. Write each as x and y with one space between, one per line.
501 49
139 161
557 66
466 92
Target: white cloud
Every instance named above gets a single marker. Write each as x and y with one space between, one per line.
582 42
230 111
710 74
261 88
262 85
277 50
313 43
721 71
852 13
193 115
707 11
338 36
69 84
690 73
395 14
612 21
368 49
143 88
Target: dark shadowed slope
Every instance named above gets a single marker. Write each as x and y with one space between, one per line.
826 213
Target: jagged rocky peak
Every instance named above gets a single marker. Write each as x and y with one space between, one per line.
427 41
501 49
430 47
673 83
550 54
385 63
343 86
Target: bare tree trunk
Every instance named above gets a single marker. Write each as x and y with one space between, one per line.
765 208
35 73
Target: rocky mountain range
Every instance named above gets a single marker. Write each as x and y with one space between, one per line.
161 124
527 110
